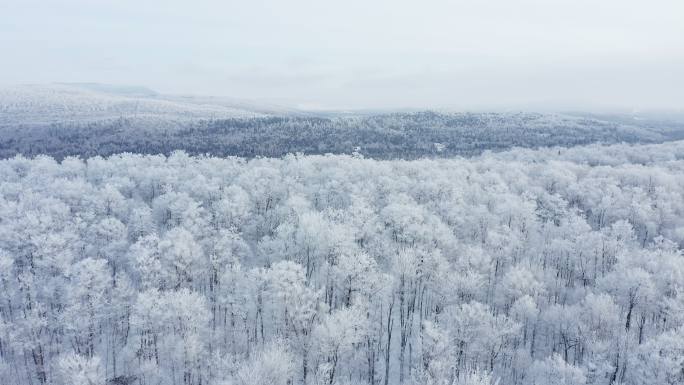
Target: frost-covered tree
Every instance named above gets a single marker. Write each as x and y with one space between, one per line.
548 266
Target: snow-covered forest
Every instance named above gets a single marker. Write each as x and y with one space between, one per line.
100 120
379 136
526 267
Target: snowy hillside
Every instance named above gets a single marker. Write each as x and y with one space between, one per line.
59 103
162 126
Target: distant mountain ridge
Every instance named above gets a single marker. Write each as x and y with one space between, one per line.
88 102
92 119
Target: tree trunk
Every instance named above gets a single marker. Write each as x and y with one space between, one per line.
390 323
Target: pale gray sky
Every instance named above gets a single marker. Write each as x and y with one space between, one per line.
476 54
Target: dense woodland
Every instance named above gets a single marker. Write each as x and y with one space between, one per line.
535 267
385 136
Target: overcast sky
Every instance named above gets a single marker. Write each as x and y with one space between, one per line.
476 54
